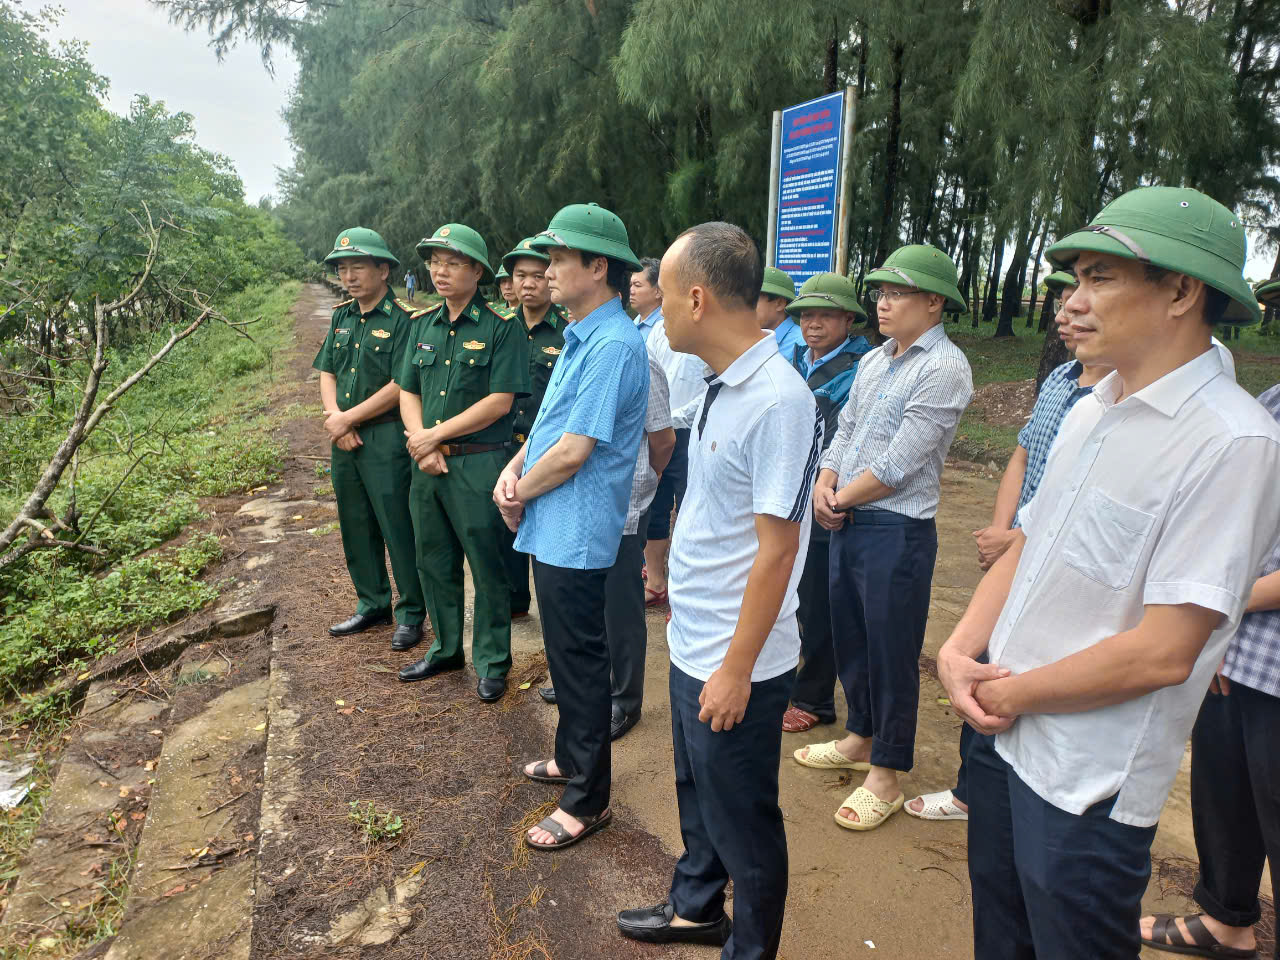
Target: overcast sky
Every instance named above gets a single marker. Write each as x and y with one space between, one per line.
236 103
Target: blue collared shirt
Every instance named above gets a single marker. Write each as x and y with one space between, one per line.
788 336
812 365
1058 394
645 324
599 388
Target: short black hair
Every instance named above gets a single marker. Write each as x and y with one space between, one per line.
618 276
649 267
1215 301
724 258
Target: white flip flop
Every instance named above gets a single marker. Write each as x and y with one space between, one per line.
938 806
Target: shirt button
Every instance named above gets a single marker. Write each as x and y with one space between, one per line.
472 362
437 423
357 346
353 369
446 363
442 393
348 396
548 363
452 332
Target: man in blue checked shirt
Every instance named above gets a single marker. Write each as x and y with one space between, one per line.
566 494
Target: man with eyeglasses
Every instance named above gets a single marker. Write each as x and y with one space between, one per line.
544 324
466 366
368 337
877 493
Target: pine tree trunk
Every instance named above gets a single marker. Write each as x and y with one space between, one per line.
1035 276
993 274
1011 296
894 134
831 69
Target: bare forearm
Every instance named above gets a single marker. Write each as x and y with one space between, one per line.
328 392
388 398
1265 594
972 634
1010 490
481 414
662 443
862 489
411 411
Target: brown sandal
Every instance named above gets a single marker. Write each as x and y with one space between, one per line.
796 720
563 837
1165 935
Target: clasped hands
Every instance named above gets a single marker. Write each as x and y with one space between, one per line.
826 508
342 430
504 496
978 691
424 446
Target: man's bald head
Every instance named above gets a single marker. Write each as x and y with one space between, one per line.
721 258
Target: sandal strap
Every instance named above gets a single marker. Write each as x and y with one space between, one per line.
1200 934
554 828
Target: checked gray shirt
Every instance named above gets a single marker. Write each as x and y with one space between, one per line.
900 420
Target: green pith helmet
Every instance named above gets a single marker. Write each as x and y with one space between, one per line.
923 266
502 273
778 283
361 242
1177 229
1059 279
458 238
1268 292
524 248
590 228
826 291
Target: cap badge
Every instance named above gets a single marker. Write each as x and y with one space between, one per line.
442 232
344 242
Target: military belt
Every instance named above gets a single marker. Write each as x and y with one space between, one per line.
462 449
520 438
391 416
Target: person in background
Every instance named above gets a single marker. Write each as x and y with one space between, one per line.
646 298
508 295
410 284
777 290
828 360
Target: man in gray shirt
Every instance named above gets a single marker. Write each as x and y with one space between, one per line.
878 493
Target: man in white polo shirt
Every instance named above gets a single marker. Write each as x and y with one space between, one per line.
1106 617
734 643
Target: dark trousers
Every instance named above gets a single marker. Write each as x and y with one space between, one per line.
571 607
517 565
624 622
1235 801
1047 884
961 790
670 492
881 572
815 687
727 790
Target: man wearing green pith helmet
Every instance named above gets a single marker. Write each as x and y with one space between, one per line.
507 296
367 338
1106 618
466 366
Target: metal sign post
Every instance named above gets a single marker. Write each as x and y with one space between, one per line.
843 214
771 235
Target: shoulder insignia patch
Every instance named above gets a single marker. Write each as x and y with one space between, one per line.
502 310
382 334
343 303
424 311
553 351
473 345
405 305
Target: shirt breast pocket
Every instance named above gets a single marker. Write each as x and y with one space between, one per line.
1107 540
473 366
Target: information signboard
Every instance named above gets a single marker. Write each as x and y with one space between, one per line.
808 186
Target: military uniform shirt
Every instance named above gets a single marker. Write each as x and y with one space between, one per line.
363 351
454 366
546 341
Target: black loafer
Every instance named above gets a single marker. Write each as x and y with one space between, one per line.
491 689
548 694
406 637
621 723
359 623
424 669
653 925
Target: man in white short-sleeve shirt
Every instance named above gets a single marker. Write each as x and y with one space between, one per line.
753 455
1107 616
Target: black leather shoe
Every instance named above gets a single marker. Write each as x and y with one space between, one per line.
406 637
653 925
359 623
621 723
491 689
548 694
424 669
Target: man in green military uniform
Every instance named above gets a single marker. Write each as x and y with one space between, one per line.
466 365
507 295
544 323
367 341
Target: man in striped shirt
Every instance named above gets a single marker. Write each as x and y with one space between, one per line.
878 493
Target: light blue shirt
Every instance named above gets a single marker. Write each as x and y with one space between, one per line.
788 336
599 388
810 367
645 324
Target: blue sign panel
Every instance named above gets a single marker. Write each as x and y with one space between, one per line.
809 176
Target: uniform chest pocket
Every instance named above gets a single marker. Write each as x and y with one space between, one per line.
425 355
474 353
342 338
1107 539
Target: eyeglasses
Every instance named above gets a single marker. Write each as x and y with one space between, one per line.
893 296
446 265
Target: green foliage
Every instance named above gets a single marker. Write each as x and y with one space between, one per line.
373 824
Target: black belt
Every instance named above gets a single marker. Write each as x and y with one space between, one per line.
462 449
391 416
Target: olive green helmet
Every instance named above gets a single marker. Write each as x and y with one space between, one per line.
524 248
1176 229
1268 292
778 283
458 238
923 266
590 228
361 242
827 291
502 273
1059 279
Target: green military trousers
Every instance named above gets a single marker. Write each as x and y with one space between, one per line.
371 484
454 517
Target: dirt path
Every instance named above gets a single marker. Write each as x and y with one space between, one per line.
434 755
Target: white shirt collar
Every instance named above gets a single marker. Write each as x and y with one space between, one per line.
748 362
1170 392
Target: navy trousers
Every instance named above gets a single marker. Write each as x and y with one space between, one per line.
881 572
1047 884
727 790
670 492
815 688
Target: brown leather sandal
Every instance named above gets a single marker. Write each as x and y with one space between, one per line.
1165 935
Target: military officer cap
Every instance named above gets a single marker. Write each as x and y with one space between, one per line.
778 283
1268 292
1176 229
828 291
590 228
524 248
923 266
458 238
1059 279
361 242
